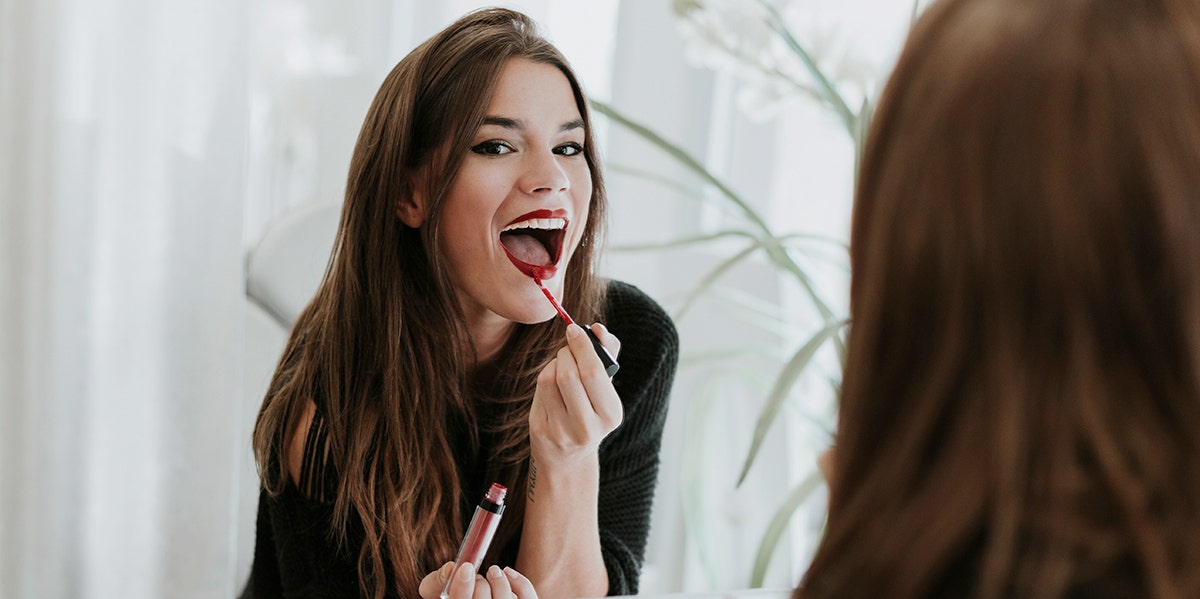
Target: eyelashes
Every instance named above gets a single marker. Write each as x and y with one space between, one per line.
500 148
569 149
492 148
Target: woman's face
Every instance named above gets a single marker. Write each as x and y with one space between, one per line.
519 203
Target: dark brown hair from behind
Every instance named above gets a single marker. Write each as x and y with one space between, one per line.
380 348
1020 410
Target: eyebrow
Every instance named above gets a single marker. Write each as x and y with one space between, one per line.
517 124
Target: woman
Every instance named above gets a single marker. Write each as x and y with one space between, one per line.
429 364
1020 411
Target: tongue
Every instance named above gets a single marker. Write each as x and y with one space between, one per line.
526 248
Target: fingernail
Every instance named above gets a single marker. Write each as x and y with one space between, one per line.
466 572
511 573
446 570
494 572
574 331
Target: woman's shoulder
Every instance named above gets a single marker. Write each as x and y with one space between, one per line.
308 462
627 306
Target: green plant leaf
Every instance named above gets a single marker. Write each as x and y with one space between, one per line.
718 356
781 258
779 524
684 241
685 190
715 274
660 179
828 90
771 242
683 7
783 385
792 238
684 158
752 309
694 469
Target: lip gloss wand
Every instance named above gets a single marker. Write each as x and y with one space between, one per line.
611 366
479 534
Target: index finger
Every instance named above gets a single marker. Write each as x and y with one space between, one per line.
610 341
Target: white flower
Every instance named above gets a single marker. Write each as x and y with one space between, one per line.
718 30
739 37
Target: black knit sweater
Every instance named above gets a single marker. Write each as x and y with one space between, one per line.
294 555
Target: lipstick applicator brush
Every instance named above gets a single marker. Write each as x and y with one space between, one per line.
610 364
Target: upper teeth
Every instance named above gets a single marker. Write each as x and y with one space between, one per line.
538 223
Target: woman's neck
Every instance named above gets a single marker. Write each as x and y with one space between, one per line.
490 333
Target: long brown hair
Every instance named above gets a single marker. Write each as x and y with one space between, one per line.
1020 412
381 348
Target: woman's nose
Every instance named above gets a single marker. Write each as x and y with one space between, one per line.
544 173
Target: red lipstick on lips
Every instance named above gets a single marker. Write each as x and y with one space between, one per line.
527 245
522 246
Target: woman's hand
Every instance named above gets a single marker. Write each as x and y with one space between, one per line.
575 405
499 584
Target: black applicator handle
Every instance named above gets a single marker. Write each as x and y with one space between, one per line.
610 363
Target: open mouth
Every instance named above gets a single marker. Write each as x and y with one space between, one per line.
534 242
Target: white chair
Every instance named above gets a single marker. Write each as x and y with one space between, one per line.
282 273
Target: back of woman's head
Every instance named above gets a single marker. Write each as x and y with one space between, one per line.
1021 411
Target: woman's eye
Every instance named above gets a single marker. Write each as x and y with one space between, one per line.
569 149
492 148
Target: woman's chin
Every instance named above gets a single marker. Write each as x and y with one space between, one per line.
543 317
532 314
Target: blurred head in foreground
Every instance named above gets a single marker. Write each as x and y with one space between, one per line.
1020 413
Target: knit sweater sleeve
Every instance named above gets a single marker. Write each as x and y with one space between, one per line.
629 455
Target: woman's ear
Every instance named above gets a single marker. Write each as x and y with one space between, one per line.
412 208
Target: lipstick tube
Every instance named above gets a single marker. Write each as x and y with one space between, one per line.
480 532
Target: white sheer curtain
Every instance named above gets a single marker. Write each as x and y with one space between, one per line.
122 177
